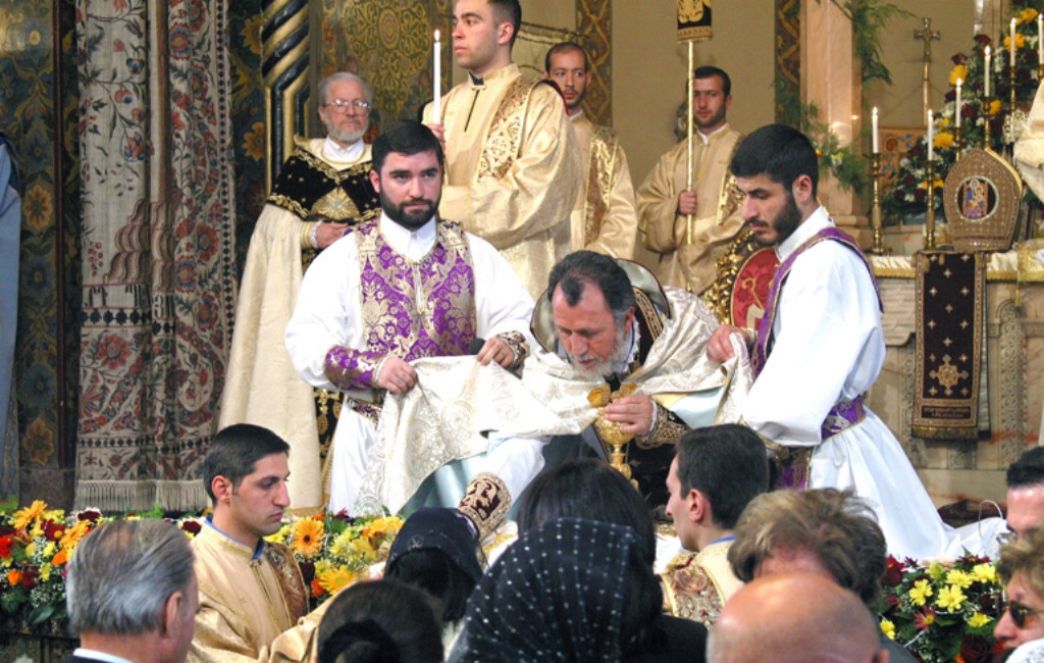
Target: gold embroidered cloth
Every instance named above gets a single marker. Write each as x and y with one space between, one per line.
455 401
512 170
604 219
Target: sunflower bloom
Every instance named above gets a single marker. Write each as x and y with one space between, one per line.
950 598
73 535
920 592
306 537
333 578
24 517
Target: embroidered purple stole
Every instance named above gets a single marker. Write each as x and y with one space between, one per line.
793 469
409 309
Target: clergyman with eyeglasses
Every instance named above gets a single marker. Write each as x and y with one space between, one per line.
322 190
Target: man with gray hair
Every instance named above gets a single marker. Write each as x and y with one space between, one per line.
322 190
132 594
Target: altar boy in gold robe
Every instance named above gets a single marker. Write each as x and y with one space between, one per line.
252 597
512 170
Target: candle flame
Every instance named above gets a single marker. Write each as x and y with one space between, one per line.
436 35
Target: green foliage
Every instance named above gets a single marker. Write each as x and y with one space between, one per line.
869 19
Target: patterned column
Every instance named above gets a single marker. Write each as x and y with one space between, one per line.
594 24
285 64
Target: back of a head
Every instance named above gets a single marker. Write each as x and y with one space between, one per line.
836 527
235 450
121 575
728 463
591 489
570 589
384 621
781 152
436 551
1028 470
794 617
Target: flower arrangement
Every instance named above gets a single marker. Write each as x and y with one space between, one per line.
335 550
36 544
942 611
909 193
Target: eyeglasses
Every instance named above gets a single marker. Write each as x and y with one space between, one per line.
343 105
1020 612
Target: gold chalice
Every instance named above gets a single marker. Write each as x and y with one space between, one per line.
609 431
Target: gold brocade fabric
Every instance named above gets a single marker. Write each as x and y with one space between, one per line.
456 400
604 219
697 585
512 171
261 385
716 221
246 603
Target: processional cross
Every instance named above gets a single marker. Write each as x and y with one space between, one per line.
927 35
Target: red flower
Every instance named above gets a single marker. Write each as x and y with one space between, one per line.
924 619
191 526
959 58
975 649
5 546
982 40
29 577
53 531
893 574
89 514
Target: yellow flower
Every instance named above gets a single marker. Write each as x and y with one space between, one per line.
995 107
280 536
920 592
1027 15
943 122
383 526
254 141
332 578
306 537
48 550
959 71
959 578
1020 41
888 628
950 598
30 549
72 535
936 570
984 572
979 619
943 139
24 517
45 572
252 33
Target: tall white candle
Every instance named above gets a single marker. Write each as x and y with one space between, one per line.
436 111
873 130
1014 45
957 104
931 135
1040 39
987 73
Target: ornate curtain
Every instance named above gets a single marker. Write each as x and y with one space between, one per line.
158 247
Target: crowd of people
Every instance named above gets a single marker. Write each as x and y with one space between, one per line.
447 323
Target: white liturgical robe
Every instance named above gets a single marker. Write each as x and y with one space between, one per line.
328 314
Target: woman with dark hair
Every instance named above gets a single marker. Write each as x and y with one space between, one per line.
436 551
383 621
574 590
592 489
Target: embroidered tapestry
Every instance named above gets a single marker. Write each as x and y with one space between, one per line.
158 268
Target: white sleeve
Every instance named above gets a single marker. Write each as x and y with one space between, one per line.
502 303
826 346
327 311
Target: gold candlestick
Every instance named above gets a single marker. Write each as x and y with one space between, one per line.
875 208
929 221
957 146
1011 79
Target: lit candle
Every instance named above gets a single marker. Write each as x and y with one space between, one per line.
931 135
1014 45
873 130
436 111
1040 39
987 73
957 104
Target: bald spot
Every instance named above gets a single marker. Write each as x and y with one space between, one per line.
792 618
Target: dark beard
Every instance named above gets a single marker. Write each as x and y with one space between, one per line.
409 220
786 222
